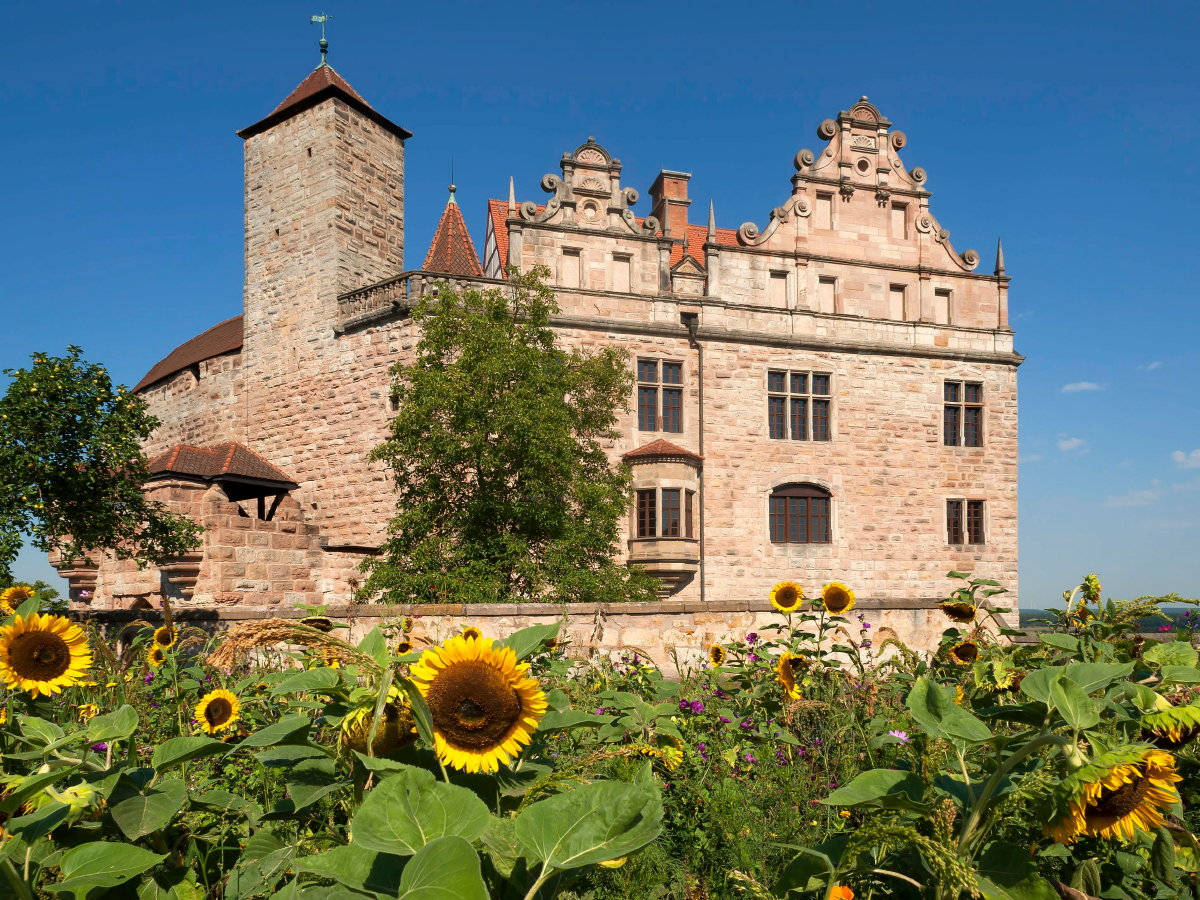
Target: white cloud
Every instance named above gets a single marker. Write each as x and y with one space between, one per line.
1076 386
1138 498
1150 367
1186 460
1032 457
1192 485
1068 444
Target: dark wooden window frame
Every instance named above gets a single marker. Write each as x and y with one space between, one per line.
660 395
965 525
647 513
799 405
962 413
800 514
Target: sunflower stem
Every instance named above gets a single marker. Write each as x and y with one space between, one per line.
445 774
18 883
537 886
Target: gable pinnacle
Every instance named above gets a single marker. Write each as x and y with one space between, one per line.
999 257
712 224
512 198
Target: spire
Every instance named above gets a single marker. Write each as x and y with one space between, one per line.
324 44
452 252
712 224
512 198
999 257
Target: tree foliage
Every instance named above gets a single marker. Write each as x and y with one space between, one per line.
503 488
72 468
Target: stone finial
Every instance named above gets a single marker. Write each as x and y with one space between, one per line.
712 224
512 198
453 188
999 257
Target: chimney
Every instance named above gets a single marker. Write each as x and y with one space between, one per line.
669 202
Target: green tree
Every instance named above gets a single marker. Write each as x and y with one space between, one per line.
503 489
72 468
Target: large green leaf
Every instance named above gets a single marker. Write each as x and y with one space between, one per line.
1006 872
182 749
114 726
1094 677
288 755
311 780
1060 641
883 789
527 641
406 811
39 731
138 812
178 883
1162 856
33 784
1181 674
219 800
1073 704
934 709
288 730
40 823
1036 685
374 645
444 869
1171 653
357 867
591 824
813 867
570 718
321 679
101 864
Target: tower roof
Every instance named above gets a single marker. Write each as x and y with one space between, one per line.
452 251
323 83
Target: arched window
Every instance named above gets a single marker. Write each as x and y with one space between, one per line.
799 514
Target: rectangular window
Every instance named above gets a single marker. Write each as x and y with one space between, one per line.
647 409
672 373
823 215
777 417
798 519
827 295
688 498
974 521
942 309
899 221
670 513
648 370
647 516
568 275
793 410
799 419
820 420
962 417
777 290
621 274
896 303
954 521
672 410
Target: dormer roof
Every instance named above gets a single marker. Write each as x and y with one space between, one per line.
659 450
324 82
227 462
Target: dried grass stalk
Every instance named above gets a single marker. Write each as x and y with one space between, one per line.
242 639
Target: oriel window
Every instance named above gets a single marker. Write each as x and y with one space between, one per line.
647 514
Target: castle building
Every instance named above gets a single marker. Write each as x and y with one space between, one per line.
831 394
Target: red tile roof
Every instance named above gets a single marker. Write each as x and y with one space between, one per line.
323 83
659 449
225 337
452 251
697 235
215 462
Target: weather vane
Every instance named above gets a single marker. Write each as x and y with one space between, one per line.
321 20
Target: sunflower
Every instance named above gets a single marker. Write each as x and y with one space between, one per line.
716 654
398 728
789 666
1172 728
330 657
837 598
218 711
407 624
88 711
12 597
958 610
485 706
43 654
550 644
959 696
321 623
1091 587
964 652
786 596
670 755
165 636
157 656
404 646
472 633
1116 795
4 715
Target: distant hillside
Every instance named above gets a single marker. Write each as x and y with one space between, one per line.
1174 618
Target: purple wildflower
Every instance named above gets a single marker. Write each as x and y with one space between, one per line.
752 638
749 757
724 721
866 645
866 624
100 748
719 693
753 657
746 725
814 802
85 594
149 678
1164 627
602 710
702 748
901 736
685 705
154 704
697 707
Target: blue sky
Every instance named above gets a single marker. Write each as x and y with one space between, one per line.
1070 130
